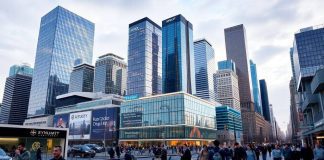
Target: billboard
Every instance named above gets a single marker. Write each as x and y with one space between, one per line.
80 123
133 119
104 123
61 121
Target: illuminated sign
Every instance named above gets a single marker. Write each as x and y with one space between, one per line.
170 20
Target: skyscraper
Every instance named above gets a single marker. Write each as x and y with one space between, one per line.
265 100
255 86
254 126
23 69
205 69
227 89
110 74
144 74
226 64
64 37
81 79
178 68
16 95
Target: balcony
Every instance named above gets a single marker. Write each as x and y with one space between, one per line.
309 100
317 84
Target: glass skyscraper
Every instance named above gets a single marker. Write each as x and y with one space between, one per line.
205 69
178 66
226 64
110 75
265 100
16 95
64 37
81 79
255 87
23 69
144 74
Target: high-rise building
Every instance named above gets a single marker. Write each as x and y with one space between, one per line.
227 89
227 64
110 75
64 38
308 72
205 69
81 79
23 69
265 100
178 66
254 126
144 73
294 116
16 95
255 86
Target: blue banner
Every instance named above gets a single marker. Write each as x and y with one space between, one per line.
104 123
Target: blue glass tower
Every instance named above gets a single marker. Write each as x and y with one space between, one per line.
255 87
226 64
64 37
144 74
265 100
205 69
178 67
23 69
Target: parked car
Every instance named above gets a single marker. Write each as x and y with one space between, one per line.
3 155
82 151
96 148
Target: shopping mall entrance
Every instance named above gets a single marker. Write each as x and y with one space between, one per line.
33 138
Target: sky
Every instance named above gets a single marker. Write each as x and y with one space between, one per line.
270 26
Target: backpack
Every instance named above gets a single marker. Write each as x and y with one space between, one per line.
215 153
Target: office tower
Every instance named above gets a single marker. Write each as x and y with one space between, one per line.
226 64
294 116
205 69
144 74
64 38
81 79
265 100
255 86
178 68
110 75
254 126
226 88
308 70
23 69
16 95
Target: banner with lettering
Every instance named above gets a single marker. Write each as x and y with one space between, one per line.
104 123
80 125
61 121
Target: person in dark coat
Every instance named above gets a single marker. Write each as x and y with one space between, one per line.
307 153
239 152
164 153
39 153
186 155
117 149
111 153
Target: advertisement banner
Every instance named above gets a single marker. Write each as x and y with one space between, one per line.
61 121
133 119
80 124
104 123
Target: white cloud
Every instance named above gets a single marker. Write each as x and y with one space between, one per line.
270 27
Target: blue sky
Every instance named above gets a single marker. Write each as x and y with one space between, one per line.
270 27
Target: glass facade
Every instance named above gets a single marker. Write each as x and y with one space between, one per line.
110 75
168 116
178 68
228 118
144 74
308 52
81 79
23 69
205 69
265 100
226 64
255 86
63 38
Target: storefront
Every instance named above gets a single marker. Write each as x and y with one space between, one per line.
33 138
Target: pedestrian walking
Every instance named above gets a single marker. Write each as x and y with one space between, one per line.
111 153
22 153
57 153
250 153
186 155
276 153
239 152
318 152
307 153
203 155
286 152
